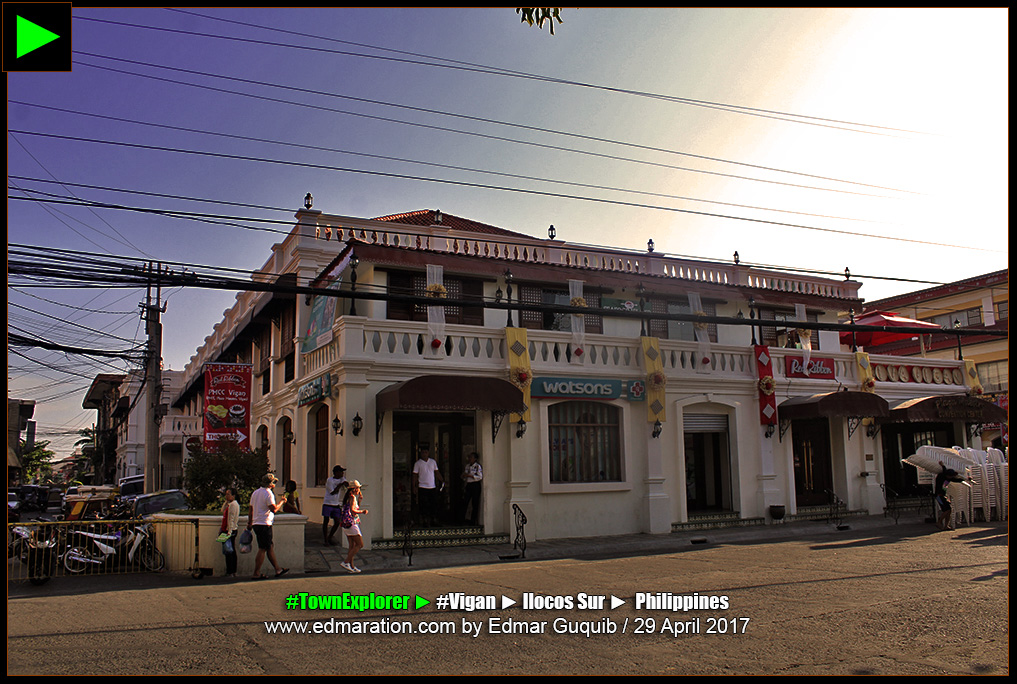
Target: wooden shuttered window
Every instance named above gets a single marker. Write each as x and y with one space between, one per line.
415 284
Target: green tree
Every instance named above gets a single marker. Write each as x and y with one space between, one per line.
210 470
538 15
35 462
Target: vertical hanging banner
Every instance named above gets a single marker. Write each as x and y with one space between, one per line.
868 380
519 367
435 314
702 332
228 403
578 321
804 336
766 385
656 380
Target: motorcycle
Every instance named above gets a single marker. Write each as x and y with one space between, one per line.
36 548
121 547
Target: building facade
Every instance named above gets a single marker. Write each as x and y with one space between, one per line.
979 303
692 391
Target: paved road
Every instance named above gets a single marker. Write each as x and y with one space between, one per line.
876 599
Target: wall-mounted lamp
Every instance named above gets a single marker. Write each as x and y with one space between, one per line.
520 428
358 424
769 430
290 437
657 429
337 426
551 232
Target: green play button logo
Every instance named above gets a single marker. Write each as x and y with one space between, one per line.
31 36
37 36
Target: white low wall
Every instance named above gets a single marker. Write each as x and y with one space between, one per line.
174 536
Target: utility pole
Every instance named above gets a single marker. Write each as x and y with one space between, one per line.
153 382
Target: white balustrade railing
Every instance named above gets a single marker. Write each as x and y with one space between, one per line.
551 352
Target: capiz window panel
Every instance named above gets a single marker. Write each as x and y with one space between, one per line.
584 439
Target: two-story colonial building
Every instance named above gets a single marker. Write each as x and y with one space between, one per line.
692 392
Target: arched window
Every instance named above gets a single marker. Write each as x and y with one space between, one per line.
584 439
321 428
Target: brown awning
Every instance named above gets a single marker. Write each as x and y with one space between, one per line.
451 393
945 409
834 404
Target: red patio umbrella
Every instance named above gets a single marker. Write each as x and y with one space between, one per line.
885 320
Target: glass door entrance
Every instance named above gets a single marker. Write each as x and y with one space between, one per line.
448 437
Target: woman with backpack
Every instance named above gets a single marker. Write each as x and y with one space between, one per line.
350 521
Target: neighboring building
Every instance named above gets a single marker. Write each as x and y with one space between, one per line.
982 302
19 413
121 417
603 423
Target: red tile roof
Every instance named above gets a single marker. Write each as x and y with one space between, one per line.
428 217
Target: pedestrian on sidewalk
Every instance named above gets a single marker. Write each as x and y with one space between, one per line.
351 523
259 518
230 525
331 506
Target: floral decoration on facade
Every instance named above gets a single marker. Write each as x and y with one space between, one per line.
435 343
656 380
975 391
577 301
699 325
869 385
436 291
520 377
767 385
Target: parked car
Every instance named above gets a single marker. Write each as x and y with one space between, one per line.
13 507
148 504
131 486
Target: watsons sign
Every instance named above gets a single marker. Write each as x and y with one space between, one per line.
588 388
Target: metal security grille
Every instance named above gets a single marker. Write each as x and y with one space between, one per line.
584 442
704 422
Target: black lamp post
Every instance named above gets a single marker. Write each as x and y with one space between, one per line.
354 262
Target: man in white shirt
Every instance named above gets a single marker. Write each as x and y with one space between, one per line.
259 518
426 476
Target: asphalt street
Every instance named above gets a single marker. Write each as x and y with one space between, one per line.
803 599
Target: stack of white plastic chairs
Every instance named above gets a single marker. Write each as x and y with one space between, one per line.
1000 460
961 494
984 494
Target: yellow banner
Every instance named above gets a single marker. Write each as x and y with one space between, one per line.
519 367
971 377
656 380
865 377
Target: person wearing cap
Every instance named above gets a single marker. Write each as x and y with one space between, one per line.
331 507
259 518
351 521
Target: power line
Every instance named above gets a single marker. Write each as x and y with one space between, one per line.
320 148
220 155
464 66
445 129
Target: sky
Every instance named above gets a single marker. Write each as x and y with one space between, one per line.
823 139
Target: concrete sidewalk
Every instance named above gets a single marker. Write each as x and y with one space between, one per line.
320 558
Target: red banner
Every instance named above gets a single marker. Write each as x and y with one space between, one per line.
766 386
227 412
